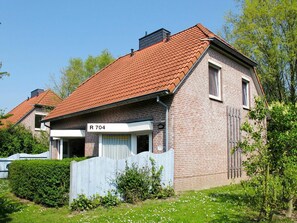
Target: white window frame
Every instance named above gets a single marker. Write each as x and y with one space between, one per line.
42 124
133 143
60 155
218 67
247 81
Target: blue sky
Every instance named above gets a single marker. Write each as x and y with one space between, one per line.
37 38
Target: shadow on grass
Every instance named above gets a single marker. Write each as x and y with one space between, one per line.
239 214
7 206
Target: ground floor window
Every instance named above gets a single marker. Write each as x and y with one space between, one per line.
72 147
121 146
142 143
116 146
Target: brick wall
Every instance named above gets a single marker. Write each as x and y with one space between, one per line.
29 120
200 123
146 110
197 124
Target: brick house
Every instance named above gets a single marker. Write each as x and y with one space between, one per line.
32 110
187 92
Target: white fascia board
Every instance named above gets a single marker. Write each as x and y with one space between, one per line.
67 133
120 127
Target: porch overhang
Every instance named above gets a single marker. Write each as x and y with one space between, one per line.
75 133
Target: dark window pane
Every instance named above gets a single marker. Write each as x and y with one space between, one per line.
244 93
213 81
38 119
142 143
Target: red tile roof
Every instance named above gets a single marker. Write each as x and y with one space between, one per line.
46 98
157 68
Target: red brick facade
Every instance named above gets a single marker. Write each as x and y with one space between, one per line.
197 124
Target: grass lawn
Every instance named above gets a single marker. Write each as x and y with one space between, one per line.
223 204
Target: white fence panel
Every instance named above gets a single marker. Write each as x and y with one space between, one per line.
96 175
4 162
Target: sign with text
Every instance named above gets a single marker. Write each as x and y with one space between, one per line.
120 127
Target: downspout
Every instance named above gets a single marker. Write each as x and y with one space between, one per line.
166 122
50 142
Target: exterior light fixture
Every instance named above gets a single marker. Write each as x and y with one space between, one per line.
161 126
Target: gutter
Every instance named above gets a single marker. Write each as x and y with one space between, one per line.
166 122
233 52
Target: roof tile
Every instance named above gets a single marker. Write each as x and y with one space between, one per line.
159 67
46 98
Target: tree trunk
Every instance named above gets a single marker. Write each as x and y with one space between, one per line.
290 208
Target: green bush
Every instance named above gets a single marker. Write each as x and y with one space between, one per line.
137 184
42 181
82 203
110 200
18 139
133 183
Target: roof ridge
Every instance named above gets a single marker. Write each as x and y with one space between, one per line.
44 94
206 31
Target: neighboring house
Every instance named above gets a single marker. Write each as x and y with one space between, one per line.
31 111
187 92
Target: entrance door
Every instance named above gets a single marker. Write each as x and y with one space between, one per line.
66 153
71 148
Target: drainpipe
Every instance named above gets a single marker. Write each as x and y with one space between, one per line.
166 122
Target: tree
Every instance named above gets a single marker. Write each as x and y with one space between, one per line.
266 31
2 74
3 116
78 71
271 151
263 186
282 136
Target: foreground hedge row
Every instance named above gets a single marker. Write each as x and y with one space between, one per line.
42 181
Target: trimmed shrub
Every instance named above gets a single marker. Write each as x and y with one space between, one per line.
42 181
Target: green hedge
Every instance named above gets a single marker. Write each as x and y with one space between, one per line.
42 181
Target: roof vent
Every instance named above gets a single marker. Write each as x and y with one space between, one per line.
153 38
132 52
36 92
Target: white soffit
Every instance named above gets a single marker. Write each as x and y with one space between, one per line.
120 127
68 133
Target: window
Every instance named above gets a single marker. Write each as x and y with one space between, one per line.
214 74
116 146
245 93
38 124
142 143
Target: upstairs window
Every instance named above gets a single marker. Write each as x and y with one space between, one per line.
214 74
245 93
38 124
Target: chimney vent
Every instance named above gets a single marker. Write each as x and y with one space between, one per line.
132 52
153 38
36 92
167 37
